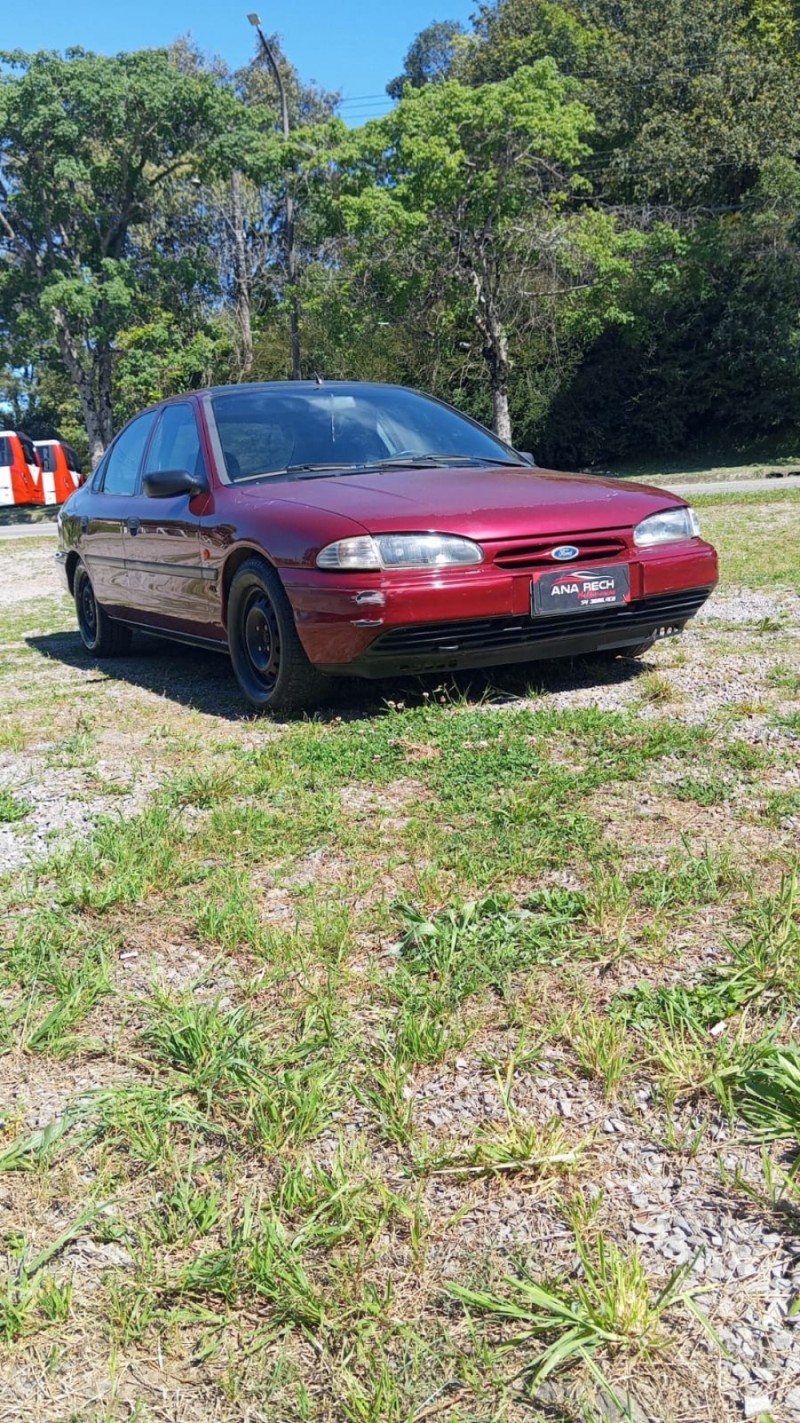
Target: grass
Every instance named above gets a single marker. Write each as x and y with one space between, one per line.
326 1033
769 1097
612 1311
724 462
513 1149
12 808
774 561
31 1299
602 1047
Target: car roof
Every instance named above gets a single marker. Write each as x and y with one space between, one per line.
292 385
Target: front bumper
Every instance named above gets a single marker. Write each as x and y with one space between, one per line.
377 625
495 641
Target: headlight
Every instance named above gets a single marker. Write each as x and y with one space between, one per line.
376 551
666 528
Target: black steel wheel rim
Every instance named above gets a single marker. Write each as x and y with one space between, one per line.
87 610
261 641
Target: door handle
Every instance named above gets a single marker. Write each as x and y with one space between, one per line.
133 526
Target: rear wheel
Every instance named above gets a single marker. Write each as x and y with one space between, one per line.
271 666
100 635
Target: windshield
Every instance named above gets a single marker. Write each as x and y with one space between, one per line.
298 432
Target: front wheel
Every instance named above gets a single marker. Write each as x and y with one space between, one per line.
635 652
271 666
614 654
100 635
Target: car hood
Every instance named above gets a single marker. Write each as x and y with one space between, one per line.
480 503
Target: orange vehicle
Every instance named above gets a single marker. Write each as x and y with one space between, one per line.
61 470
20 470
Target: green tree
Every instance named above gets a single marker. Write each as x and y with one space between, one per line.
90 150
712 355
430 58
690 96
471 183
514 33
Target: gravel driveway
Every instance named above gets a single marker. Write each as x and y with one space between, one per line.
110 749
80 741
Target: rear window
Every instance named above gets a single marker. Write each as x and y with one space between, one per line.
47 454
5 450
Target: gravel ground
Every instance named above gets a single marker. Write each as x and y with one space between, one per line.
115 778
672 1208
669 1203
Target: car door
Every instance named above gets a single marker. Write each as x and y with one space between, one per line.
165 573
106 514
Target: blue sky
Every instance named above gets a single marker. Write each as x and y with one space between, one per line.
355 46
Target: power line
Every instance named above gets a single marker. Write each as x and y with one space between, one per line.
361 98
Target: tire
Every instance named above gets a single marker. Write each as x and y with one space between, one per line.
268 659
100 635
632 652
604 656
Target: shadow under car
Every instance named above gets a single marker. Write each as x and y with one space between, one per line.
204 681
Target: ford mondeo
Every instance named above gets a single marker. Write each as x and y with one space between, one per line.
312 529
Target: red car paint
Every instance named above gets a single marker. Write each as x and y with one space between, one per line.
166 564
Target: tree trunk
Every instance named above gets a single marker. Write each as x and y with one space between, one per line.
494 352
496 358
241 280
104 391
81 378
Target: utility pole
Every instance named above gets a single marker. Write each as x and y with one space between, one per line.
291 247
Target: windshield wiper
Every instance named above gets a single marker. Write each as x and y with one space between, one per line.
399 461
402 461
290 469
311 468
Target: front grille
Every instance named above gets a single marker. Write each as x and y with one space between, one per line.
494 634
521 554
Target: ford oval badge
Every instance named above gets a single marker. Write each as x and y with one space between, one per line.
565 551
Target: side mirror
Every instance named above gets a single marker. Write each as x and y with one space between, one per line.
526 457
168 483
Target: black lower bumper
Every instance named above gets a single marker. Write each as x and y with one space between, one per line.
492 642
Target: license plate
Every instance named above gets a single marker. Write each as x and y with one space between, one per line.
578 590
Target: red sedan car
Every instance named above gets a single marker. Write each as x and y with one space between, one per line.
345 528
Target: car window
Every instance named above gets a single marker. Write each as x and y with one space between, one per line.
5 450
72 459
98 474
176 442
126 456
48 458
